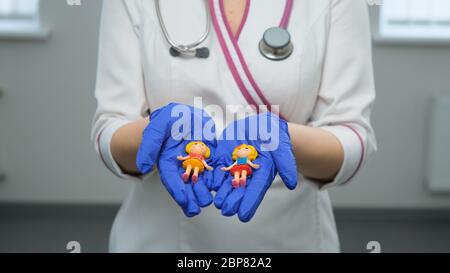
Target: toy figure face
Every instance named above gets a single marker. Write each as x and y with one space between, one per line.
243 152
198 148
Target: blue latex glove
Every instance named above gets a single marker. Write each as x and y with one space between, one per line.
161 146
245 200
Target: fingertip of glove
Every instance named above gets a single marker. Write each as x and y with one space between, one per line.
215 188
226 212
204 202
191 212
229 209
144 167
290 181
245 218
218 202
246 213
291 185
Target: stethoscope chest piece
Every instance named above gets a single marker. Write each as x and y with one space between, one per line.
276 44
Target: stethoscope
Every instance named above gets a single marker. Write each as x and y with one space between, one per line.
275 44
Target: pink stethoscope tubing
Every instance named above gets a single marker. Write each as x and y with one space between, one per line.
287 14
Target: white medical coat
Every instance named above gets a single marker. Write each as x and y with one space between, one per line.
326 83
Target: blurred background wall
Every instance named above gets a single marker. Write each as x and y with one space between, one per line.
45 151
46 112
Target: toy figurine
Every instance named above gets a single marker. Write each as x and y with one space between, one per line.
243 155
195 160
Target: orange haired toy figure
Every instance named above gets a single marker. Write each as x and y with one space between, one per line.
195 160
243 155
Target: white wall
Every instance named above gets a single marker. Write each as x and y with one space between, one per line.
407 77
46 112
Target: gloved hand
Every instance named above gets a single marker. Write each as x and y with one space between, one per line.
275 156
162 143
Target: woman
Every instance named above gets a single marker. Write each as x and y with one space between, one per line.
325 90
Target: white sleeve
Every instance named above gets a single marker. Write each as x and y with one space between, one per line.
119 90
347 89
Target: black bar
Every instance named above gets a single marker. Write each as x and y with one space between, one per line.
218 262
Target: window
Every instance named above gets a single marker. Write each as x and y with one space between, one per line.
415 19
19 16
